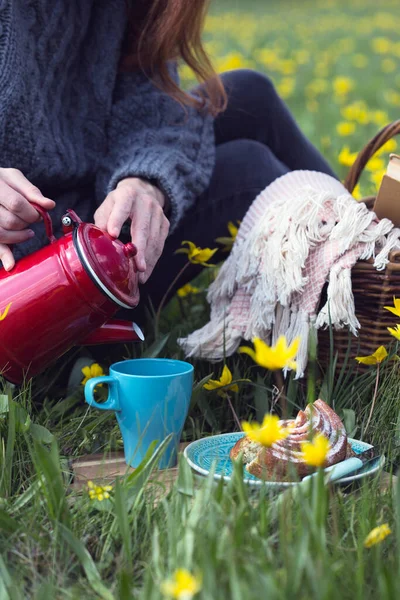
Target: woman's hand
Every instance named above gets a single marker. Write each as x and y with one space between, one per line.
16 213
142 203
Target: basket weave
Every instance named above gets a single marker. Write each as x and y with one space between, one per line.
372 289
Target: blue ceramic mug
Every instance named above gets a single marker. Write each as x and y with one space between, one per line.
150 397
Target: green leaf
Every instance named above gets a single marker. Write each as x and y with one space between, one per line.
41 434
87 563
121 514
8 524
3 404
156 347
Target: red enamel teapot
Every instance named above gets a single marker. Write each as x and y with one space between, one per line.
65 295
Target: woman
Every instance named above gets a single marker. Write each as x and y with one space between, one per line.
92 118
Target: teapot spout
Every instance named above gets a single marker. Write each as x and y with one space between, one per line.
114 331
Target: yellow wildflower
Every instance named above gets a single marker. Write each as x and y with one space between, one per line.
346 157
390 146
229 62
396 308
5 312
315 452
345 128
222 382
229 241
395 332
342 86
377 535
373 359
381 45
286 87
356 193
91 371
375 164
388 65
187 290
275 357
197 255
266 434
379 117
356 111
392 97
182 585
98 492
377 177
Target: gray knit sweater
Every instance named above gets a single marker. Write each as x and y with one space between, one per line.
75 126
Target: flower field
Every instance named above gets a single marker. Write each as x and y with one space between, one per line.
336 64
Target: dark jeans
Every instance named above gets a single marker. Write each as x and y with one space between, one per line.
257 141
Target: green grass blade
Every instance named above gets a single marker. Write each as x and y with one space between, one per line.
86 562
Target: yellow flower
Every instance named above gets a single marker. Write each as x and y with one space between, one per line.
222 382
187 290
315 452
5 312
375 164
230 61
356 193
390 146
377 177
197 255
346 157
91 371
389 65
266 434
345 128
377 535
98 492
286 87
229 241
182 585
396 308
381 45
356 111
379 117
275 357
395 332
342 86
374 359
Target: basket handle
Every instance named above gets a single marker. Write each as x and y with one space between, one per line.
383 136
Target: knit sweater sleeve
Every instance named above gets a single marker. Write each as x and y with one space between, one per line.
151 136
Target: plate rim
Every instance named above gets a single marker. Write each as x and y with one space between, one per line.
260 482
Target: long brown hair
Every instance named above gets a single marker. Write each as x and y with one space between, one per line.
163 30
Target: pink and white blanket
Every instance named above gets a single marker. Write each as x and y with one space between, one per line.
303 230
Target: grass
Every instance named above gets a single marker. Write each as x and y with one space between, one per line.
335 63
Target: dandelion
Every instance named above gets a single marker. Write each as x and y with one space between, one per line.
375 164
345 128
342 86
5 312
315 452
286 87
91 371
266 434
377 177
275 357
222 382
356 193
360 61
182 585
346 157
388 65
377 535
381 45
98 492
197 255
187 290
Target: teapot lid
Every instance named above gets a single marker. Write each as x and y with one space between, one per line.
109 262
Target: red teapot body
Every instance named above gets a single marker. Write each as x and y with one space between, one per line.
65 295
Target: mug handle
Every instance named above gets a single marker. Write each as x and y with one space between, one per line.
112 402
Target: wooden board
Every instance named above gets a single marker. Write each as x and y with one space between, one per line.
104 469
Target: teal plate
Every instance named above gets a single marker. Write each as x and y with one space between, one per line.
213 453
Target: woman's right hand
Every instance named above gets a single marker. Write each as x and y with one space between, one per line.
16 212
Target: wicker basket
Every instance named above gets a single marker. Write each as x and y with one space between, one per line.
372 289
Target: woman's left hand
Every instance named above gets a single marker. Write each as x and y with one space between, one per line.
142 203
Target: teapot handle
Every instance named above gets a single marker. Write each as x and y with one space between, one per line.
46 220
